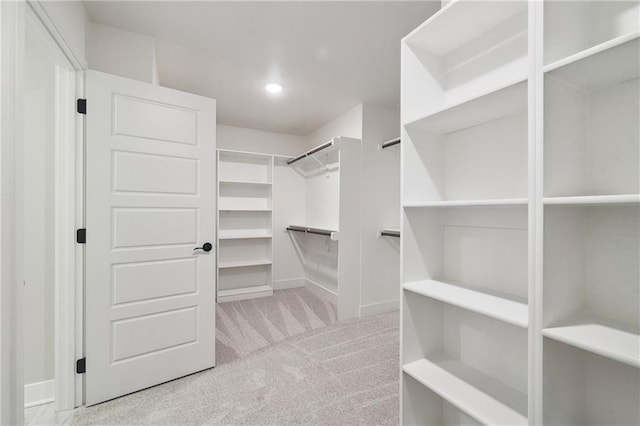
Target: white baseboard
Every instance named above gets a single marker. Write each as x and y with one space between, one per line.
39 393
379 308
321 292
232 295
291 283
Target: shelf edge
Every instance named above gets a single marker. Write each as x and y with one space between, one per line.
591 51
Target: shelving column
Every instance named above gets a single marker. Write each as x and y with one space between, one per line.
245 225
465 224
591 196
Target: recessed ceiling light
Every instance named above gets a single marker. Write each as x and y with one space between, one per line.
273 88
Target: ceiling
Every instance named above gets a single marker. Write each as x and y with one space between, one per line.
329 56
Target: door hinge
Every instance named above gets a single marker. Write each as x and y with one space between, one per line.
81 236
82 106
81 366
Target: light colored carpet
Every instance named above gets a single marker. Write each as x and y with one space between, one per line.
342 374
246 326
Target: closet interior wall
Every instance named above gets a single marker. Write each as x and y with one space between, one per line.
380 210
520 214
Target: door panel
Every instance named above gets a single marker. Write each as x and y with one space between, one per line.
150 201
155 173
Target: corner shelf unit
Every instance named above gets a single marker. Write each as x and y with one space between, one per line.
521 214
245 228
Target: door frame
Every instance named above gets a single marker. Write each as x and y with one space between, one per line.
69 213
18 17
11 129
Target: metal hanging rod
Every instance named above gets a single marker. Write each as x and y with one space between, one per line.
297 228
311 152
390 142
389 233
317 231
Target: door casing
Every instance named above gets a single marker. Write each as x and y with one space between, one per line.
69 209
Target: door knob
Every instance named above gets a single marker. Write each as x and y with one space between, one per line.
205 247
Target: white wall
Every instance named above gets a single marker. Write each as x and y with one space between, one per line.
348 124
288 209
252 140
115 51
380 288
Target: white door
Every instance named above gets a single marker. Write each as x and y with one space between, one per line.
150 197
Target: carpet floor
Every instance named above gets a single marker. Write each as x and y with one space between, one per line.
245 326
344 373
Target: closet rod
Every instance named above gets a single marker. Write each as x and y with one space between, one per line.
311 152
296 228
389 233
320 231
316 231
390 142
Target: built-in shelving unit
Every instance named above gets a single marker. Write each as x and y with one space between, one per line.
521 214
591 209
245 229
465 216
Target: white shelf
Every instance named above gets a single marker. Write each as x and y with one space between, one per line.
244 182
248 154
599 336
480 396
592 51
593 68
226 209
509 311
594 200
244 293
244 263
469 18
467 142
240 235
470 203
506 100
